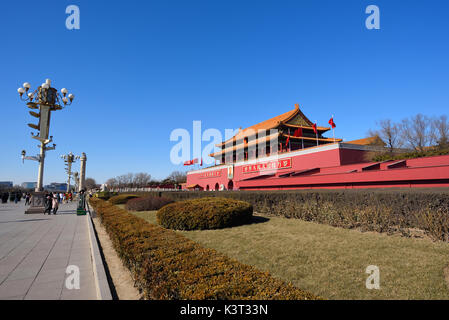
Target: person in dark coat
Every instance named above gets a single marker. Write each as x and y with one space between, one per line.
27 198
48 203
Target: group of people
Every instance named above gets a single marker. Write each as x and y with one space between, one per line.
5 196
53 199
15 196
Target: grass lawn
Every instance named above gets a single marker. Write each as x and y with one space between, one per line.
331 262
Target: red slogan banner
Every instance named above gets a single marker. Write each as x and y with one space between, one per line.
210 174
271 165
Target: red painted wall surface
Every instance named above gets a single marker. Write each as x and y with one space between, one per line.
348 156
197 178
328 158
337 168
312 160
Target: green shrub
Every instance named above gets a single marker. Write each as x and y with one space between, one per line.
205 213
122 198
411 155
105 195
167 265
382 210
147 203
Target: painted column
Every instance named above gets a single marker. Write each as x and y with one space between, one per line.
82 172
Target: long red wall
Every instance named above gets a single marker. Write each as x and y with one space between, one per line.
335 167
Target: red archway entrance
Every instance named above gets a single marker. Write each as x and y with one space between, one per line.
207 188
217 187
230 185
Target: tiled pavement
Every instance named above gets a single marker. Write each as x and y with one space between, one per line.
35 250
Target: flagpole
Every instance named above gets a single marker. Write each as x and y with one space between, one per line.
289 142
316 133
333 129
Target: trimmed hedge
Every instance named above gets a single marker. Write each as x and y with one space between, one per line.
205 213
122 198
105 195
167 265
412 154
147 203
381 210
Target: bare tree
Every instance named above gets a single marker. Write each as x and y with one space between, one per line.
154 182
178 177
390 133
90 183
141 179
441 131
417 132
121 180
129 180
112 182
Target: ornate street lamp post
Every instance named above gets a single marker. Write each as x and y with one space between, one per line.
45 99
69 159
76 178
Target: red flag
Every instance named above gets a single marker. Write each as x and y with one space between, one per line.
314 128
286 142
188 163
332 123
201 162
298 132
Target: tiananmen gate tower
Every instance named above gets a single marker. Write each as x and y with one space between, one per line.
291 152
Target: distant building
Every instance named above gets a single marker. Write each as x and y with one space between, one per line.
55 186
29 185
7 184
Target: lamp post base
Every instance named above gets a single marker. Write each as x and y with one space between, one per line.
81 210
37 203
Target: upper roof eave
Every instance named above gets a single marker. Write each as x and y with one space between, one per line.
265 125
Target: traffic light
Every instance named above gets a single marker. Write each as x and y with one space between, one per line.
43 125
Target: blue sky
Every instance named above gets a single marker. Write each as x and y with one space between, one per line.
140 69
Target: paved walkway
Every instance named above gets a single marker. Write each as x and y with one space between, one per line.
35 250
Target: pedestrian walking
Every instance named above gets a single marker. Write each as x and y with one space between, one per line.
48 203
16 197
27 198
61 197
55 203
